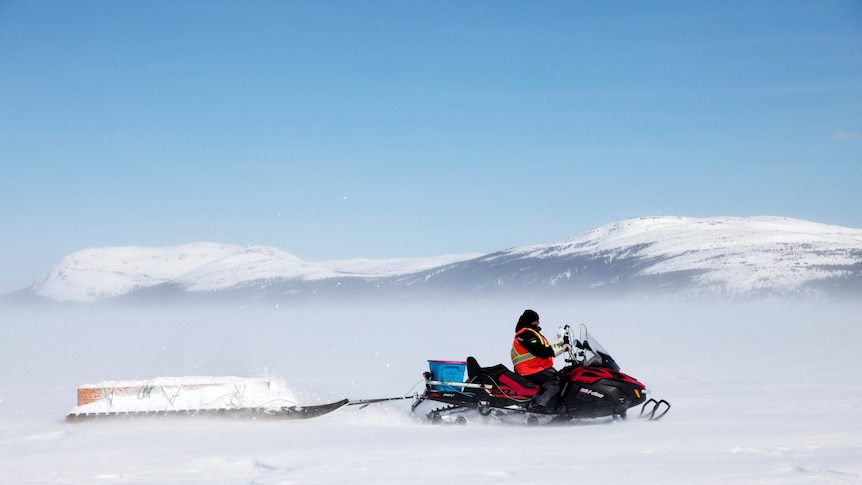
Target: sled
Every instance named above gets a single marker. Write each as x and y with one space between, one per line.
223 397
285 412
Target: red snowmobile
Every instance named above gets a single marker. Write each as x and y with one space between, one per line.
592 386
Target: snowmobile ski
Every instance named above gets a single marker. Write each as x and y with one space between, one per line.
653 410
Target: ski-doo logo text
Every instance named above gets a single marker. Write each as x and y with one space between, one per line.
591 392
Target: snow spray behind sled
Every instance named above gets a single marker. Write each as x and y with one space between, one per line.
592 386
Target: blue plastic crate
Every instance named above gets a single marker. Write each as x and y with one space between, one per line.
447 371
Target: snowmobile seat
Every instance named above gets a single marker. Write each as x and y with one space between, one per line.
475 370
501 375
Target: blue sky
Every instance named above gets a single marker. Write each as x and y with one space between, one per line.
336 130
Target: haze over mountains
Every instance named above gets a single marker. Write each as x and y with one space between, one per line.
720 257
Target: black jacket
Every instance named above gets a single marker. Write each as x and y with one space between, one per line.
532 343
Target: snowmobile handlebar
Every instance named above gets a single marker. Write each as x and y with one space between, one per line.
575 351
563 334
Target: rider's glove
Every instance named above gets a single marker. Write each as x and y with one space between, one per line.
560 348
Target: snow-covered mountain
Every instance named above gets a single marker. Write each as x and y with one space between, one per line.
679 256
101 273
716 257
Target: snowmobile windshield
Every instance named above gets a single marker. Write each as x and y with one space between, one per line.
595 354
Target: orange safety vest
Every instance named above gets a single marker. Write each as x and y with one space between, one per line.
526 363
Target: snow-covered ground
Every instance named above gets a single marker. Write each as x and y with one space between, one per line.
761 393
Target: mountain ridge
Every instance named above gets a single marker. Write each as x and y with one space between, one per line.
663 255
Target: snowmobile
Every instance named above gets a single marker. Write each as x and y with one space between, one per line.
592 386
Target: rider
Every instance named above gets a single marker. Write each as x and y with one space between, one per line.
533 358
